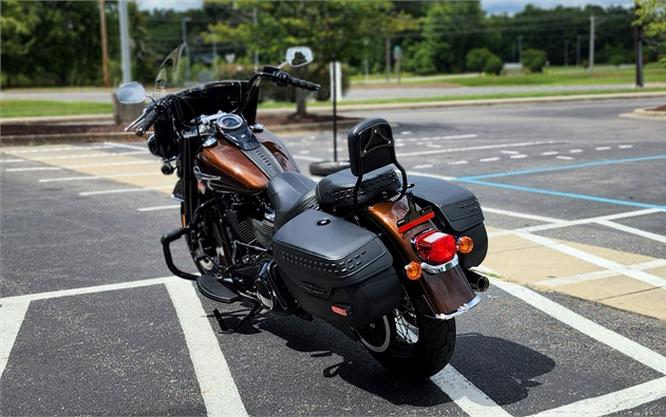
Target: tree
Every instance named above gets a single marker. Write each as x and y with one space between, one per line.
534 60
335 30
477 58
651 15
450 29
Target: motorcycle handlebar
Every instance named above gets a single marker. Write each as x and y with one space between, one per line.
307 85
148 120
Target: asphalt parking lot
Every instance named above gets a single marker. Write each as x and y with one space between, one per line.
91 322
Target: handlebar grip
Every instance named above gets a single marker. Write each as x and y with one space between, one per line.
305 84
148 121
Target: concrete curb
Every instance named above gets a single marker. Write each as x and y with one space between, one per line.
646 114
58 119
43 139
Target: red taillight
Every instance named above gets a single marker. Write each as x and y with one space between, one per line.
435 247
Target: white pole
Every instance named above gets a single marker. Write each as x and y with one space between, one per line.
124 41
591 64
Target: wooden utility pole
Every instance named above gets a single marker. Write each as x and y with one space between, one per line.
638 46
104 42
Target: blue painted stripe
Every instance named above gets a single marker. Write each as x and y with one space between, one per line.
587 197
563 167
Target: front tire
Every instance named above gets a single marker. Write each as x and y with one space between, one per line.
409 343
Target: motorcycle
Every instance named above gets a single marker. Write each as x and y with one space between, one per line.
383 256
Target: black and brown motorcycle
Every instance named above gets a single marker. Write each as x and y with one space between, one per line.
382 256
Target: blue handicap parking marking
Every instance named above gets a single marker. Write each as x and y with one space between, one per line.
480 180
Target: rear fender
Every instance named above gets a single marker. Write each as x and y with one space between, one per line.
442 291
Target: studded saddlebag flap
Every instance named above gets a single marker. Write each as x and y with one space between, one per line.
331 265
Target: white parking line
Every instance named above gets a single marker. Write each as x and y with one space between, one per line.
587 327
431 138
104 164
510 152
18 299
33 169
91 155
602 148
549 153
521 215
126 146
633 230
13 161
625 146
307 158
604 221
424 166
462 162
496 158
11 317
61 149
576 151
216 383
613 402
566 158
519 156
124 190
95 177
466 395
593 276
476 148
156 208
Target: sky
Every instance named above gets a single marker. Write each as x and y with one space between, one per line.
491 6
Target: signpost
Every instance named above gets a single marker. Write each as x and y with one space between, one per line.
397 55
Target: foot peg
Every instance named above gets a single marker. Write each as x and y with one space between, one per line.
215 290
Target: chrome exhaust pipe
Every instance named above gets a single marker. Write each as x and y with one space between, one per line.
478 282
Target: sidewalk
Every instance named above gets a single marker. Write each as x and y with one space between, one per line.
618 279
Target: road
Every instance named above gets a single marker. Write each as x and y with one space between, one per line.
429 91
92 323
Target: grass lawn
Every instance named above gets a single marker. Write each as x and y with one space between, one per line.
551 76
327 105
33 108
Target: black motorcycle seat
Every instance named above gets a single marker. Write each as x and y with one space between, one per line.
336 191
290 193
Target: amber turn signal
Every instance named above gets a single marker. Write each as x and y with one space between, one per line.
465 245
413 270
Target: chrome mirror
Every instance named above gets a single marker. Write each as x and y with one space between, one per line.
131 93
298 56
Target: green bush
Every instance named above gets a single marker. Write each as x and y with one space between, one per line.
494 65
476 59
534 60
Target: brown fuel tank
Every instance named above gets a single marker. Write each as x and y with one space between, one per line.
238 173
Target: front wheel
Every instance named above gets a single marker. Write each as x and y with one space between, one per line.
409 343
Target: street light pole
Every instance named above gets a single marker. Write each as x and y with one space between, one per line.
103 41
124 41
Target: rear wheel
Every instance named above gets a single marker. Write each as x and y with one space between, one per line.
409 343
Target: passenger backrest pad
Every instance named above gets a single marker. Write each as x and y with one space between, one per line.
371 146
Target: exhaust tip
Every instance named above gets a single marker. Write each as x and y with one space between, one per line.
482 284
478 282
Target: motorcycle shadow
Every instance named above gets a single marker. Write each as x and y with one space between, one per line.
503 369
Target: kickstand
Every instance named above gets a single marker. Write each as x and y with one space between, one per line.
224 329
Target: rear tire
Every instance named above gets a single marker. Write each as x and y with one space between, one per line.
400 352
